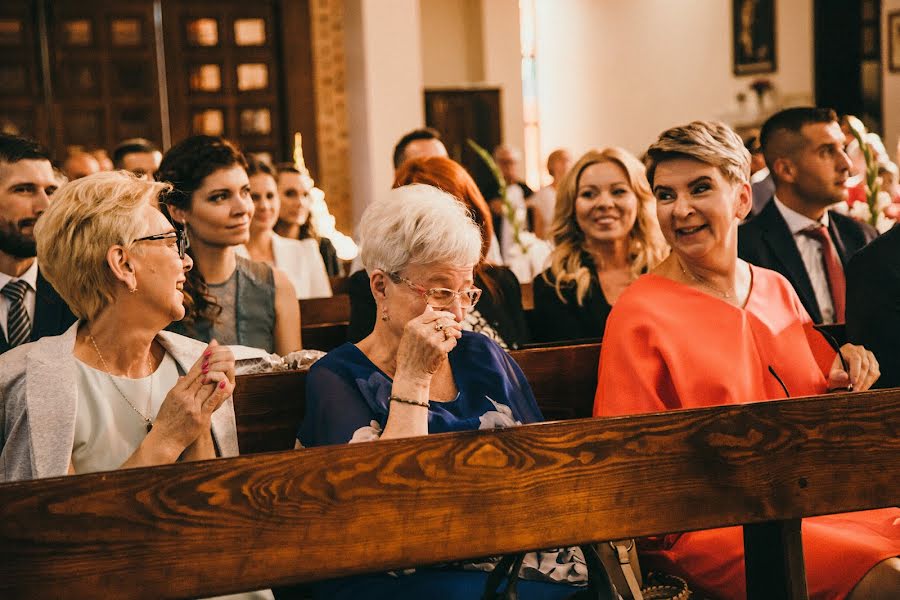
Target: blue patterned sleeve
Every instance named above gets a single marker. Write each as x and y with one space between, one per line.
336 412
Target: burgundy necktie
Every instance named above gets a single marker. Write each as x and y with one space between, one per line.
833 268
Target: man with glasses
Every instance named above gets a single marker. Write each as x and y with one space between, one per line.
29 306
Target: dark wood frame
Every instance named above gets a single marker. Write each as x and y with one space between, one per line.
893 42
765 20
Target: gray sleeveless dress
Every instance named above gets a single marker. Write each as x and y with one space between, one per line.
247 299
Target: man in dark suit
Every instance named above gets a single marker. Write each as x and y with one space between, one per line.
873 304
29 306
795 233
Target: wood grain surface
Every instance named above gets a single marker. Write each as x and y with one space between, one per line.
245 523
318 311
563 378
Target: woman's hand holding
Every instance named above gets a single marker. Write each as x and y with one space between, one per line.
426 341
862 366
186 412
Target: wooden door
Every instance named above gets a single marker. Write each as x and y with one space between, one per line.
466 114
23 104
103 62
223 72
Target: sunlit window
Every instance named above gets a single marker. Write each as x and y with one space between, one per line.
532 150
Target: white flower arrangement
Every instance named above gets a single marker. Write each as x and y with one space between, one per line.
872 211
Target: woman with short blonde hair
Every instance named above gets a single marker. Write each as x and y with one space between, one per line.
115 390
705 328
605 234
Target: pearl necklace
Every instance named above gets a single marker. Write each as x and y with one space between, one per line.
702 281
108 371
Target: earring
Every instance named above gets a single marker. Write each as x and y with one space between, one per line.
384 314
133 290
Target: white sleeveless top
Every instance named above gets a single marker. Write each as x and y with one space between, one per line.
107 429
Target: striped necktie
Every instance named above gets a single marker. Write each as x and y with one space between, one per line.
18 325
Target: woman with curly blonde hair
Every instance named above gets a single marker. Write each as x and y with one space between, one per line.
605 234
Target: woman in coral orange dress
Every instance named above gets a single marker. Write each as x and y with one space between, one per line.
705 328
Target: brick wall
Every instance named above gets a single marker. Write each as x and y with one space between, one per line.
329 70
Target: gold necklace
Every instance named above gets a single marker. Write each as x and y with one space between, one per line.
702 281
146 419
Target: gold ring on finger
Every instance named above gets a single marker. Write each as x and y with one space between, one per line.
438 327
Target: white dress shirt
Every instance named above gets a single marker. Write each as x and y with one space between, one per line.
29 277
811 253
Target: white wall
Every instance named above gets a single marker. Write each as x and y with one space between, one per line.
890 100
503 63
619 73
468 43
452 49
384 89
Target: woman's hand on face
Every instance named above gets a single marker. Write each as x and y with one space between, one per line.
189 405
426 341
861 363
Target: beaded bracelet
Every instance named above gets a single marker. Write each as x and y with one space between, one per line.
407 401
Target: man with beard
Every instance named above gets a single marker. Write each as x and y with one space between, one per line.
795 233
29 306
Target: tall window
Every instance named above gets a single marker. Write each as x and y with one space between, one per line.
532 150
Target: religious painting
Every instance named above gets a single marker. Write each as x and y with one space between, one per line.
754 36
893 36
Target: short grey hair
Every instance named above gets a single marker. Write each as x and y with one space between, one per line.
710 142
417 224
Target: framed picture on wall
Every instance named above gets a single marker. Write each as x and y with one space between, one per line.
893 37
753 36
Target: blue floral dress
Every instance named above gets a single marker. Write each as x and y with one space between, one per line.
347 401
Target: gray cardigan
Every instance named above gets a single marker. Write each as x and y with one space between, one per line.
38 400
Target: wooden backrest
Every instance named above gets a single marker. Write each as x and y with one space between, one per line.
339 285
230 525
563 378
527 295
316 311
324 336
324 321
269 407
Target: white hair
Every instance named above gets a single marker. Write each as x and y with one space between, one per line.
417 224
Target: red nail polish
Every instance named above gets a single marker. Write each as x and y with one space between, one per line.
222 385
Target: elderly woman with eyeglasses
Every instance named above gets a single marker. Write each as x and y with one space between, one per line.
115 390
418 372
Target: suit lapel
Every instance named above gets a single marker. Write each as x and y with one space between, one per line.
777 236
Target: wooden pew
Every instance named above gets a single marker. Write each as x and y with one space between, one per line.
231 525
316 311
324 321
563 378
269 407
527 296
268 410
339 285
